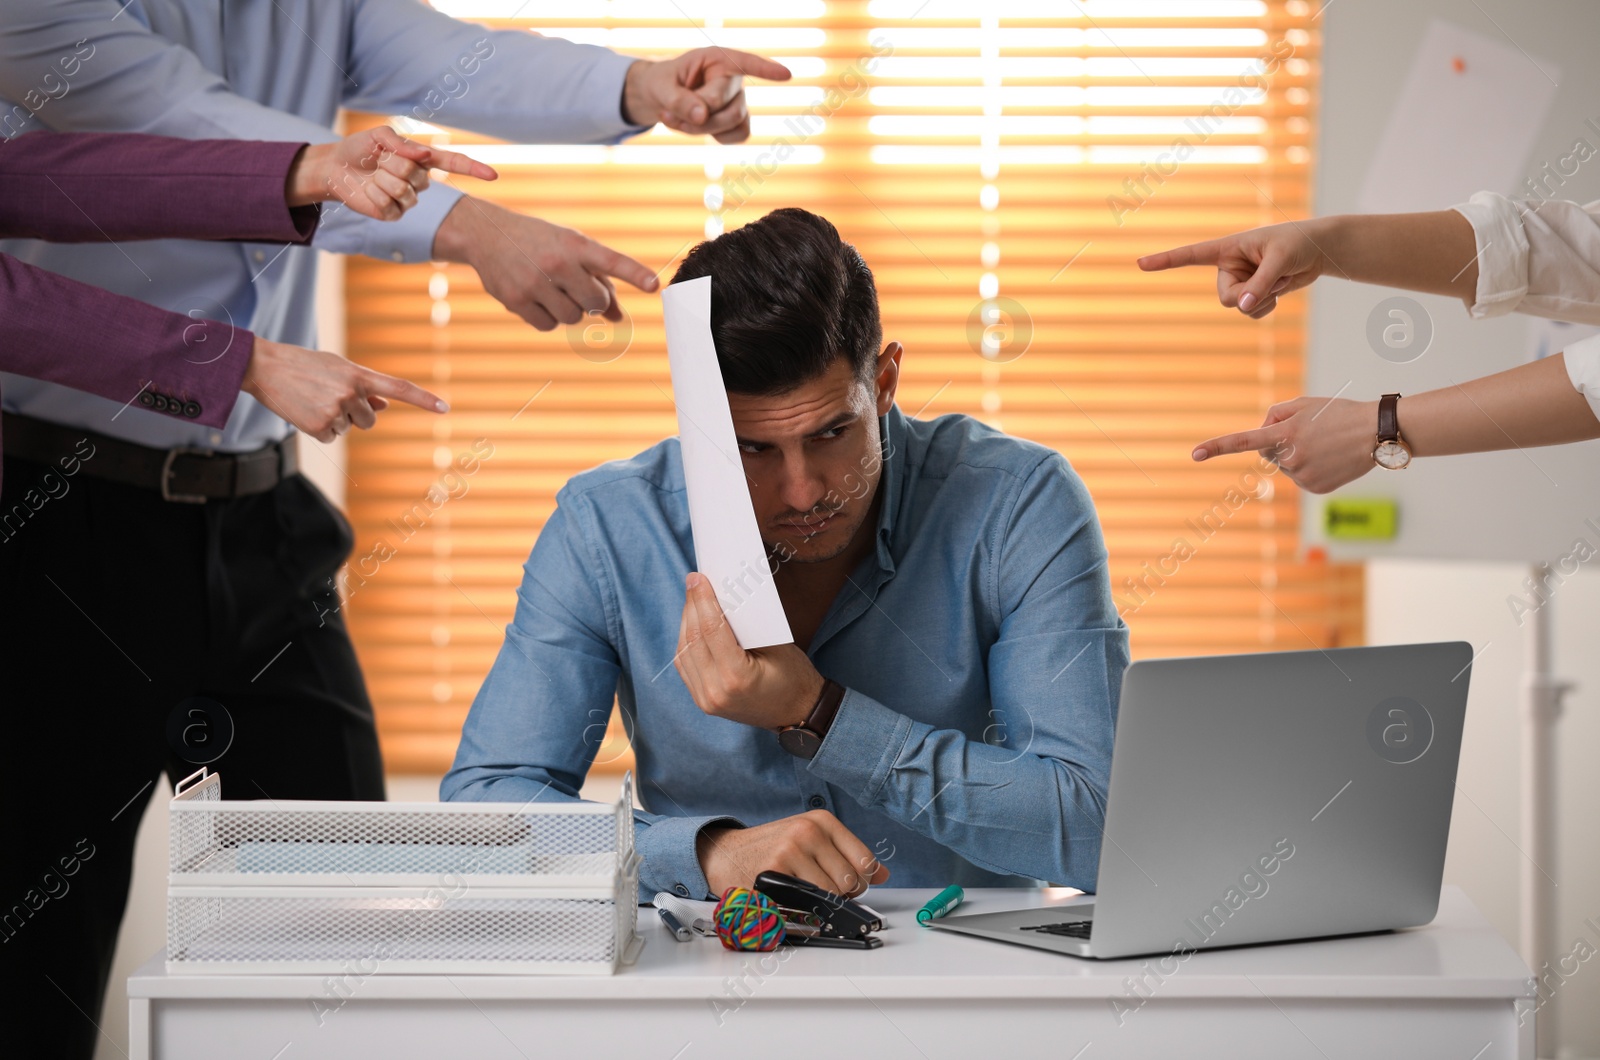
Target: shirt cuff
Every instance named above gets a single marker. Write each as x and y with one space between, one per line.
667 858
610 74
861 747
1502 247
410 239
304 221
1583 368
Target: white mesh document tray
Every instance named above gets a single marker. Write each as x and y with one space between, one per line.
441 888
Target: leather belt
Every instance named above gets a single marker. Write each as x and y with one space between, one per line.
184 475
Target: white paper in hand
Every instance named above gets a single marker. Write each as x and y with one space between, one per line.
727 542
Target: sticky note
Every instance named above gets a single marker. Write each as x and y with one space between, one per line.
1360 519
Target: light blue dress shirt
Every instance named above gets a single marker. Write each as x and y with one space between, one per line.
268 70
979 644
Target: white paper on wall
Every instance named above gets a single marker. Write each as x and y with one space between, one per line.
1464 122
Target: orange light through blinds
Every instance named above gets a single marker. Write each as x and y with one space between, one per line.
1000 165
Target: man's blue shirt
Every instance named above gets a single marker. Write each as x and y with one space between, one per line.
979 644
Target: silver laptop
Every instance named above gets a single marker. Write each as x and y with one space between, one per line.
1263 798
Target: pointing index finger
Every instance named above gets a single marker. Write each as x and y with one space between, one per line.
456 162
438 158
601 260
755 65
389 386
1206 253
1242 442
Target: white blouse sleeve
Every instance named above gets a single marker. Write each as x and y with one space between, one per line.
1583 368
1540 258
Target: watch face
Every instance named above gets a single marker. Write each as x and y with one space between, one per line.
1391 455
802 743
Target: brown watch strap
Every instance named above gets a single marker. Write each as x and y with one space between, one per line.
1389 418
821 717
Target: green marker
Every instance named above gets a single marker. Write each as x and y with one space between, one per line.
940 904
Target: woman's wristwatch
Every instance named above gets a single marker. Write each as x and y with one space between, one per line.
1391 452
805 739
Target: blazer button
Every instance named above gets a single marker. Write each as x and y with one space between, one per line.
192 409
818 802
160 404
147 399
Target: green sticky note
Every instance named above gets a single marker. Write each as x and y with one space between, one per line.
1360 519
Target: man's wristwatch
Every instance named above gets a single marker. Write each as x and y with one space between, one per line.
1391 451
805 739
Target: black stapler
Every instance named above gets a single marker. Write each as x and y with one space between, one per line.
814 917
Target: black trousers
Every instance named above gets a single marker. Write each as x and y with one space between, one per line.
139 636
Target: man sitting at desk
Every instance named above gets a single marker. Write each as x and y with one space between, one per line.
956 646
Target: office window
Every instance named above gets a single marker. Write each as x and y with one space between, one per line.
1000 165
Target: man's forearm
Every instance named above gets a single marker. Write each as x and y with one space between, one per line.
457 233
1006 810
1434 252
1530 405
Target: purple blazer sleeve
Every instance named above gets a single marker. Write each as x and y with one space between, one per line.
98 187
63 331
81 187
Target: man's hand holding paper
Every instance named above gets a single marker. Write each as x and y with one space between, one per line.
768 688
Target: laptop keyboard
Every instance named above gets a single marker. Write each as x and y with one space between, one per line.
1073 929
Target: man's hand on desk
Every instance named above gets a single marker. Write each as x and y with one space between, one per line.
769 688
701 92
544 273
813 846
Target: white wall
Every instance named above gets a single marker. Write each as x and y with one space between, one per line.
1419 601
1368 46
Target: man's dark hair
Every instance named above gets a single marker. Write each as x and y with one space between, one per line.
788 297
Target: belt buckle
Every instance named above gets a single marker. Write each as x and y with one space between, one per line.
166 475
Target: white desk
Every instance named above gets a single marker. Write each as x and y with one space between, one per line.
1446 990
